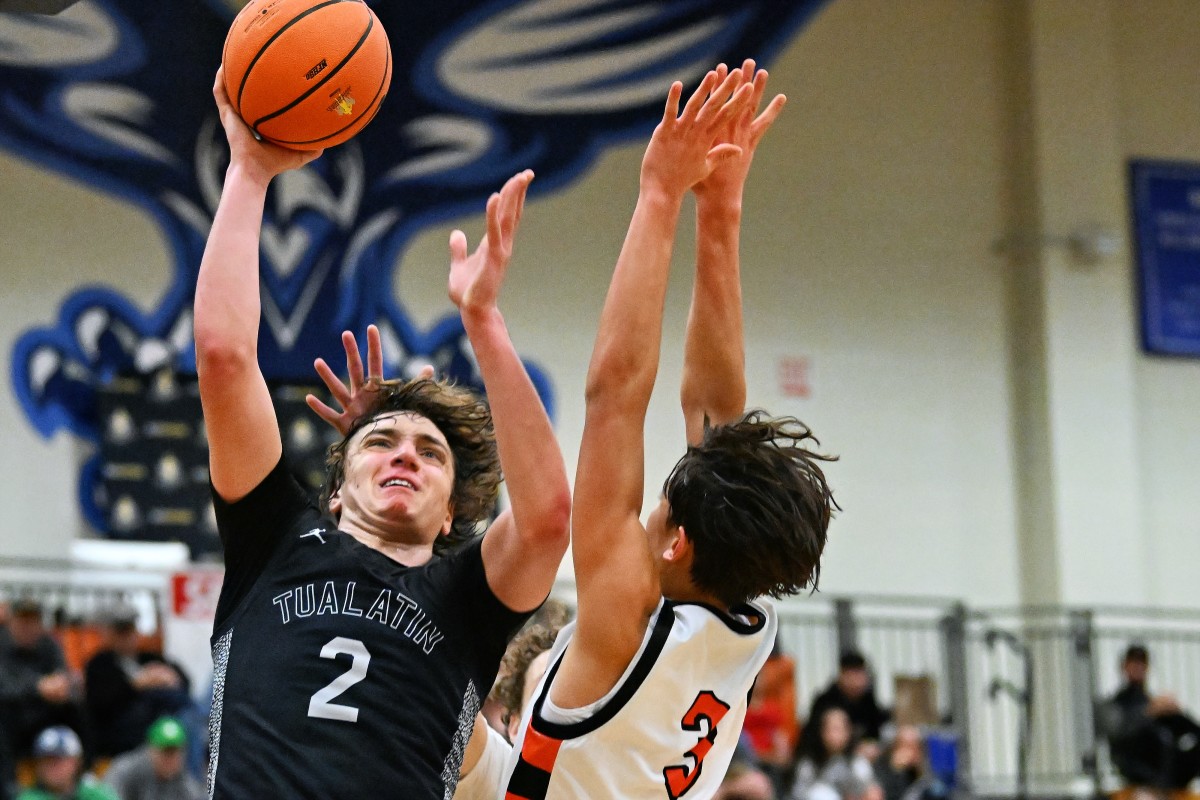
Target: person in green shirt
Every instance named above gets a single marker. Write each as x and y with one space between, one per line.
59 755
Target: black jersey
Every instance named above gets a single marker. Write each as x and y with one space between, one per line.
338 672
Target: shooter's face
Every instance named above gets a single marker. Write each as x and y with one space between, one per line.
399 476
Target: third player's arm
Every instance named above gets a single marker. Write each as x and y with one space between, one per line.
714 364
615 573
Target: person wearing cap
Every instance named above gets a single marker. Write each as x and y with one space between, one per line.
1154 744
36 689
127 689
156 770
59 755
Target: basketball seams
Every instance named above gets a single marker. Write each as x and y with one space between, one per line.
368 115
263 49
333 71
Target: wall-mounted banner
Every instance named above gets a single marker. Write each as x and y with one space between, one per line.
118 94
1166 218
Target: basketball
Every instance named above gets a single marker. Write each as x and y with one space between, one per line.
306 74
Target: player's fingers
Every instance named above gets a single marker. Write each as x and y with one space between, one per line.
672 109
721 153
493 219
332 382
458 247
700 98
767 117
730 110
519 204
323 411
354 365
374 353
759 79
426 373
717 108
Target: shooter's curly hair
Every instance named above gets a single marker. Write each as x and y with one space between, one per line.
756 507
465 419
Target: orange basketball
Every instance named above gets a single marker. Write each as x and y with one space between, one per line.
307 74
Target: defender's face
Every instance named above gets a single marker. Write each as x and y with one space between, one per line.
399 473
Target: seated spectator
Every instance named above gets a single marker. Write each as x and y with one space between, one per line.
771 717
744 781
36 689
525 661
128 689
1154 744
831 769
59 755
157 769
852 691
902 770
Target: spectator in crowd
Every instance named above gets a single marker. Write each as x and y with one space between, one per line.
157 769
830 768
36 689
852 691
59 755
128 689
745 781
770 726
902 770
525 661
1154 744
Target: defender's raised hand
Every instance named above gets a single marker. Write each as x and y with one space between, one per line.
744 130
358 394
682 150
475 280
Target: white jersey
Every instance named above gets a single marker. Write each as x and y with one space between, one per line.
670 726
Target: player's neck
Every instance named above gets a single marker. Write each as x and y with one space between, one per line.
410 551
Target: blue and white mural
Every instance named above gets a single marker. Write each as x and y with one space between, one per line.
117 94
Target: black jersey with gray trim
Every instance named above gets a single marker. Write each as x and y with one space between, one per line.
338 672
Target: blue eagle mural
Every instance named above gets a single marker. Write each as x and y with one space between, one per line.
117 94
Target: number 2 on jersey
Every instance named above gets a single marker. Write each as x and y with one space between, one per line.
319 706
710 709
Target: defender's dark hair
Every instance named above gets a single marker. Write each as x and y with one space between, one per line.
756 507
465 420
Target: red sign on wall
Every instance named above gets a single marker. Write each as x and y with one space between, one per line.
194 593
793 376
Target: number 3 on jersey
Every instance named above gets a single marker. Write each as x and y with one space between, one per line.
707 708
319 706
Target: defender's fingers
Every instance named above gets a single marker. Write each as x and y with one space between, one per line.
760 87
332 382
767 117
517 204
493 219
736 106
374 353
673 94
700 98
722 152
354 365
426 373
716 106
323 411
458 247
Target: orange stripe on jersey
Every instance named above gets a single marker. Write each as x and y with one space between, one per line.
540 750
